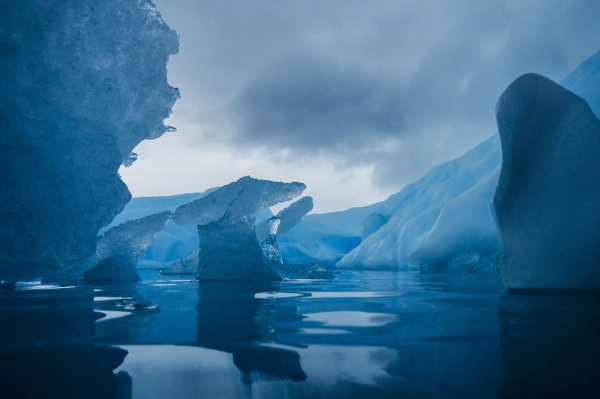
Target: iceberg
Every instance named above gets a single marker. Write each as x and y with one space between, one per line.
226 220
119 249
442 222
547 202
464 234
87 82
404 241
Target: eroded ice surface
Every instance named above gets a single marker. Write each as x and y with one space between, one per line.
87 82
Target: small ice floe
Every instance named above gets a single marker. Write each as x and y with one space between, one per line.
277 295
351 318
323 331
109 298
110 315
132 304
350 294
37 285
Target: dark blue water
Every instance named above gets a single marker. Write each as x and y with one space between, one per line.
362 335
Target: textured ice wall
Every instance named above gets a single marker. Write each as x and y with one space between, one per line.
548 197
83 82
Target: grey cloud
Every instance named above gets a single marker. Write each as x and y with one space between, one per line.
306 103
399 85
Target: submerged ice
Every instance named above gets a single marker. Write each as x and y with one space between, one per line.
87 83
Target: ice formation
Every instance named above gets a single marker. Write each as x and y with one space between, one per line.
268 234
441 222
412 222
268 231
187 265
464 235
120 248
226 220
288 218
175 241
548 198
87 83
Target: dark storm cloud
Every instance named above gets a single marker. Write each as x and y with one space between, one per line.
308 103
400 85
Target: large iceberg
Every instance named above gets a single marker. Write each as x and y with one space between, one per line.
119 249
226 219
548 198
84 82
441 222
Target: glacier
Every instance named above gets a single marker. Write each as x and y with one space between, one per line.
119 249
226 220
441 222
547 203
87 82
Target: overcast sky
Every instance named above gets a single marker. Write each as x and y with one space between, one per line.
354 98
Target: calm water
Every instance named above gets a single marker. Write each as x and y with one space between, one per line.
363 335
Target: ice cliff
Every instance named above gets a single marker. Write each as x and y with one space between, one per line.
548 198
84 82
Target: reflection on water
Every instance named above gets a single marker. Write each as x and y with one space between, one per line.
550 346
365 334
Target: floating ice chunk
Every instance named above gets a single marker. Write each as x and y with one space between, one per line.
548 198
120 248
83 83
226 220
351 318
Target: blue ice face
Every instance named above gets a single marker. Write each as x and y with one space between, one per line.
87 83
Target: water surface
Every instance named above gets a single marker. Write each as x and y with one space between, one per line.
364 334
